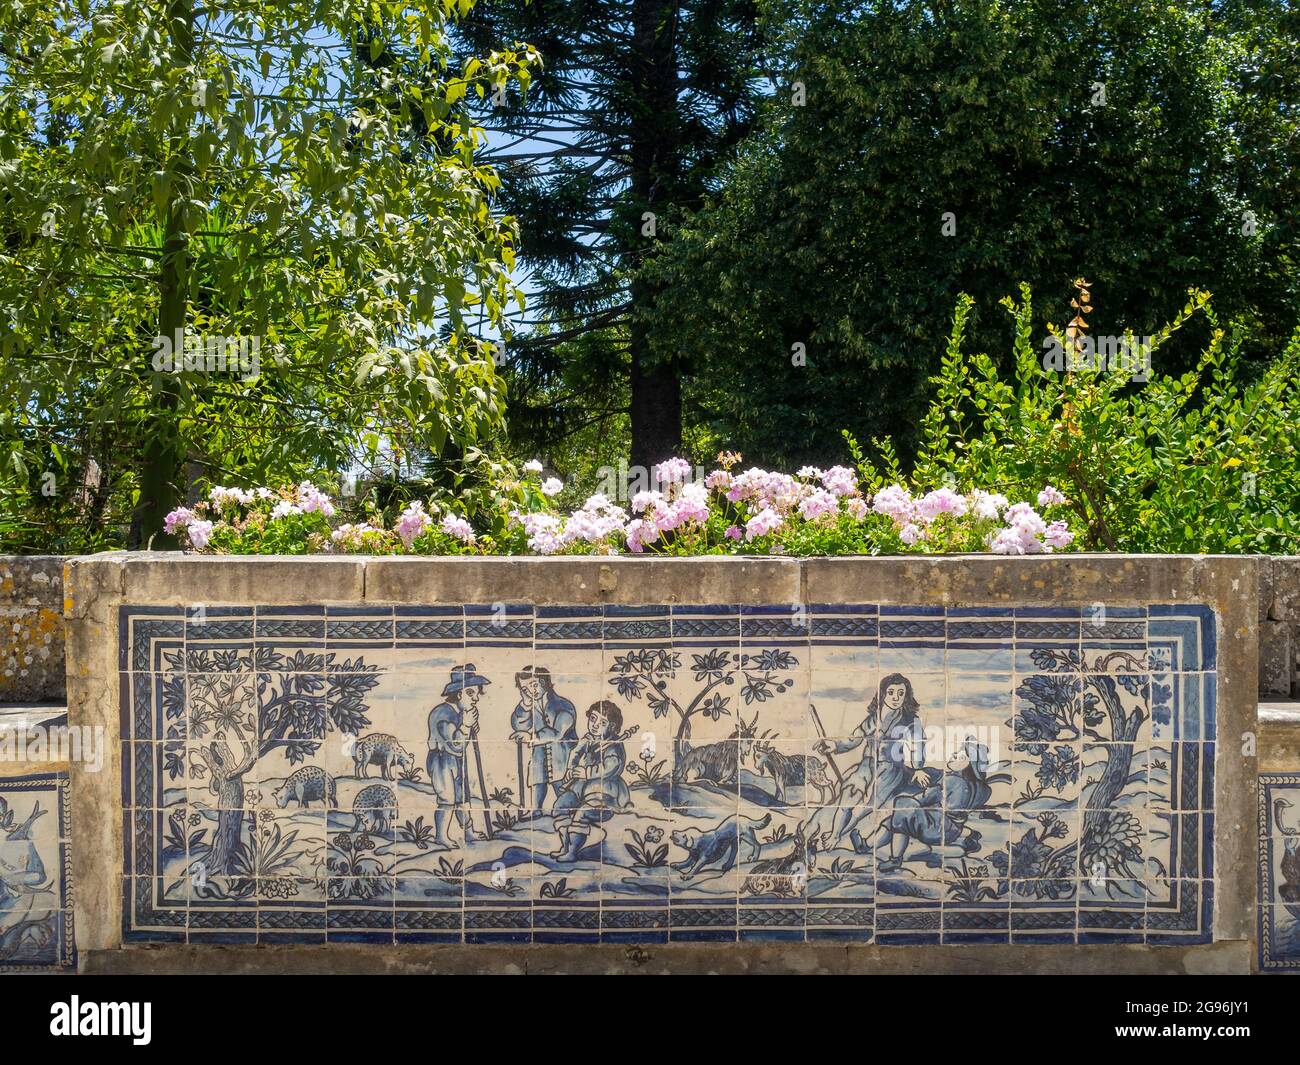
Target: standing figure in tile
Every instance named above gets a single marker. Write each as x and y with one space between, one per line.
892 739
453 724
593 788
546 722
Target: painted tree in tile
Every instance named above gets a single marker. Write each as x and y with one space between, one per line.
1063 704
298 699
645 674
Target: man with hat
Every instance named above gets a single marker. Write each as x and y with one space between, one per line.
452 725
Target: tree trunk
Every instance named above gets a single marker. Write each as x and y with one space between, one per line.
163 451
656 394
230 819
1119 759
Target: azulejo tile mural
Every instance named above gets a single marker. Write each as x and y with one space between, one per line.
1279 872
500 772
35 874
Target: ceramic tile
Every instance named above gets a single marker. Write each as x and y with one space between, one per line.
503 773
1279 872
36 929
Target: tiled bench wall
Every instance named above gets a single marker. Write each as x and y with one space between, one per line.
998 774
912 753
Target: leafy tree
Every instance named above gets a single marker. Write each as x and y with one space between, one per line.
918 150
235 170
1202 461
637 105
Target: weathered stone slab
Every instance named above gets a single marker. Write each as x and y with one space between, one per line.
31 629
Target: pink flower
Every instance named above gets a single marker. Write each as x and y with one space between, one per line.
1023 517
673 471
693 503
734 532
1058 536
639 533
552 486
543 531
940 501
412 522
910 533
988 505
896 502
457 528
718 481
313 499
218 496
199 533
840 480
1006 542
765 521
1050 496
643 501
178 519
857 508
820 504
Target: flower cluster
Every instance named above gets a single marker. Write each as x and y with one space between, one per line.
814 511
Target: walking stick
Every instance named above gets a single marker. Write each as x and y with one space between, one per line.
482 784
829 759
519 750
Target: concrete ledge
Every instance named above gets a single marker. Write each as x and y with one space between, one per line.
1224 958
1279 736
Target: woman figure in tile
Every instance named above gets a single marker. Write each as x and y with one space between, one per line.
452 726
547 723
892 739
593 788
936 817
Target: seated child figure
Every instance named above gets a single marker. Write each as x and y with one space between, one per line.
592 788
937 816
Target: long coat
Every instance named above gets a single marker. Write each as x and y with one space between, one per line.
552 725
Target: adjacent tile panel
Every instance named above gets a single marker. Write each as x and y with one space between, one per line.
35 874
1279 872
503 772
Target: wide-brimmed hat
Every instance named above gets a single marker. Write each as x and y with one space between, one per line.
463 677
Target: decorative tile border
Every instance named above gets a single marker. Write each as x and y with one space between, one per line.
1029 774
1279 872
36 928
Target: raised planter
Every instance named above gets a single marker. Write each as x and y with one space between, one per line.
1047 773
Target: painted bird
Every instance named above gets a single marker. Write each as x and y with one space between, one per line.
1289 889
7 819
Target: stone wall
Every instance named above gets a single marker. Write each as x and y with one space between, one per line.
31 629
721 808
31 607
1279 628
